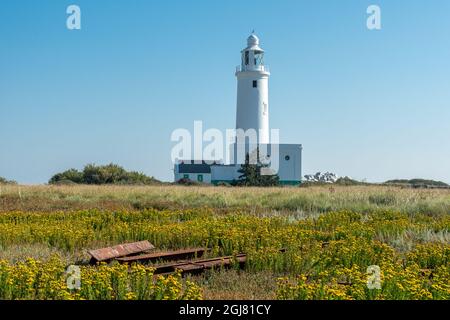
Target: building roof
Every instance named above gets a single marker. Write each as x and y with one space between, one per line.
253 40
190 167
253 43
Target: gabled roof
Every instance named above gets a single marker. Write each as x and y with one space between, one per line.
191 167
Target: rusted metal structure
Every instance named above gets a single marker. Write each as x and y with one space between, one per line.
186 260
165 256
121 250
198 266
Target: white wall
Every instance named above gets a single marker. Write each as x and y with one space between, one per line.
225 173
194 176
288 170
252 110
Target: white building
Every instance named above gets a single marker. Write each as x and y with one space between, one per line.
252 112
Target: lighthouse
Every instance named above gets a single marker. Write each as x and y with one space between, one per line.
252 108
252 117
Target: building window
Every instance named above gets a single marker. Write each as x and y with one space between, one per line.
185 176
200 178
255 84
246 58
287 158
259 58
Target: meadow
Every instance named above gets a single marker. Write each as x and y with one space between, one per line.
331 236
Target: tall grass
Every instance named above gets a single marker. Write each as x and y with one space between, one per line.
225 199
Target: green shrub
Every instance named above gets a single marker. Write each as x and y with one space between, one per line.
224 184
99 175
189 182
66 177
4 181
418 183
346 181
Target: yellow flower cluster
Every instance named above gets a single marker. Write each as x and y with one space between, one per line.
50 281
399 279
330 252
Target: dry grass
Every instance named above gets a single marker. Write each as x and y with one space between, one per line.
223 199
42 252
238 285
408 239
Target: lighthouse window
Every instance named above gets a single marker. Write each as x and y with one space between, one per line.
255 84
246 58
259 58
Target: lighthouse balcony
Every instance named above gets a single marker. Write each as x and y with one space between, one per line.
253 68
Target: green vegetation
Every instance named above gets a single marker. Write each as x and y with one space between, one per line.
272 200
99 175
331 234
36 280
326 256
251 175
418 183
413 183
346 181
189 182
4 181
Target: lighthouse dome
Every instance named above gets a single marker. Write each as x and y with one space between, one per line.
253 43
253 40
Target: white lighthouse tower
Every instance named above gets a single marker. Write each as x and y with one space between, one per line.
252 114
253 91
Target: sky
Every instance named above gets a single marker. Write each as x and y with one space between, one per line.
370 104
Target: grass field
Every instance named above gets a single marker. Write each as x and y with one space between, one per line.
332 235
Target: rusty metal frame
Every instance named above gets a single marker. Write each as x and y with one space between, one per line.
136 252
198 266
121 250
166 256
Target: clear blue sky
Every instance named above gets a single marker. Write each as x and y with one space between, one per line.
373 105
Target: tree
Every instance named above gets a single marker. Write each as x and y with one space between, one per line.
5 181
108 174
251 174
71 175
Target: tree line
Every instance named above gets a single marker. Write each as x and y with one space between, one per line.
106 174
